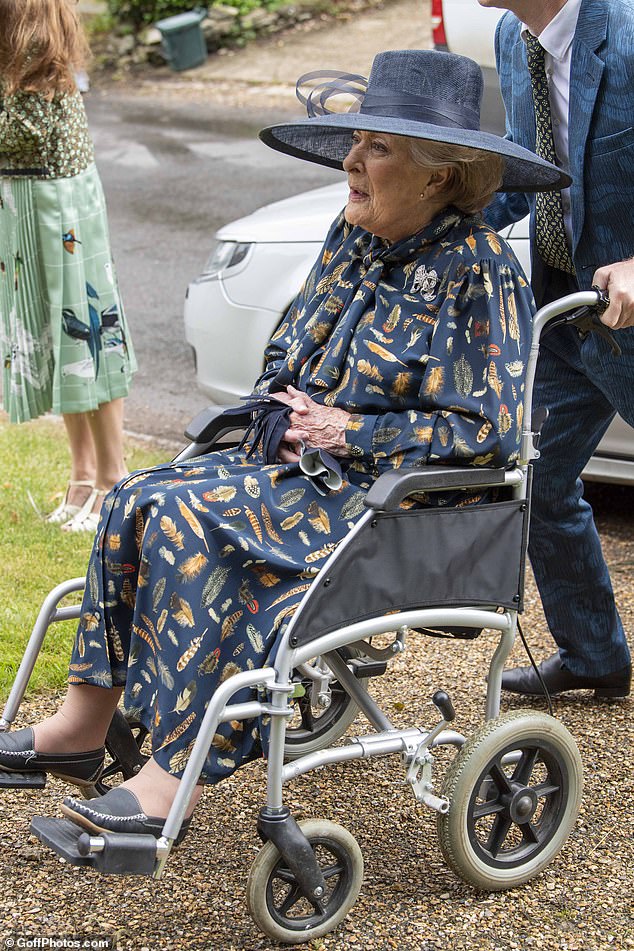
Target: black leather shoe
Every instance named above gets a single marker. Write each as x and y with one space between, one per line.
18 755
118 811
557 678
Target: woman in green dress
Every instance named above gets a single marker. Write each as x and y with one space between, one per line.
65 342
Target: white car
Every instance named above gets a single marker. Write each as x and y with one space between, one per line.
252 277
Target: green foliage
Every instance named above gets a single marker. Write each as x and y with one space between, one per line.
140 13
35 556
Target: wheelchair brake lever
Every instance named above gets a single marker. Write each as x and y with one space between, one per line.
587 320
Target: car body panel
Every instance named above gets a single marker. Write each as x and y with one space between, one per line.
470 30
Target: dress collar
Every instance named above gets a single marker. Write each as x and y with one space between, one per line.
438 227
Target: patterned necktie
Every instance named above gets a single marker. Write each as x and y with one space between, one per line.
549 213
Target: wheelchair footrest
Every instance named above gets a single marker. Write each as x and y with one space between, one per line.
22 780
118 853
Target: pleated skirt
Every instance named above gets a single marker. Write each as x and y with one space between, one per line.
66 345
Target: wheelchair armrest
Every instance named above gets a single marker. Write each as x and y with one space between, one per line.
391 488
211 424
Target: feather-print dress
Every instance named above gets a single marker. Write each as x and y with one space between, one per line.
195 566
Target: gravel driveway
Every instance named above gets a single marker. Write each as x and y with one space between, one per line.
410 899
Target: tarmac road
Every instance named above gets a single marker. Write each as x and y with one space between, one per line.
172 175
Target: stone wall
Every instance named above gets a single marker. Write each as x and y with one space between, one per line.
224 27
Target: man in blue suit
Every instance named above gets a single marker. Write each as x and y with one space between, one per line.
566 71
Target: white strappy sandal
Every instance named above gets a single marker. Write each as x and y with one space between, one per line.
66 510
85 520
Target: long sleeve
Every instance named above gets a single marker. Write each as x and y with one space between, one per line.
471 392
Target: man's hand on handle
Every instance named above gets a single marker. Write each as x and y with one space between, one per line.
618 281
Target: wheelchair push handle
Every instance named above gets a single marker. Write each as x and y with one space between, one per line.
587 319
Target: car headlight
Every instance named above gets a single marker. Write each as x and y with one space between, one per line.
226 254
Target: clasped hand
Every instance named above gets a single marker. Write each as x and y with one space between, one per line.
312 424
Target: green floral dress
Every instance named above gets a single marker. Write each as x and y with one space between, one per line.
64 338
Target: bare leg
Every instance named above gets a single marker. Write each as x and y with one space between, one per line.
105 426
81 723
155 789
83 457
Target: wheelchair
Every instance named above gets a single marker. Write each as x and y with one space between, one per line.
511 795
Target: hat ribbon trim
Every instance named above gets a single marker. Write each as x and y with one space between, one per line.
391 103
418 109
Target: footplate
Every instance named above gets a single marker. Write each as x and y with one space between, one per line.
22 780
112 853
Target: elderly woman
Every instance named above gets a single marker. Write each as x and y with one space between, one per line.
405 347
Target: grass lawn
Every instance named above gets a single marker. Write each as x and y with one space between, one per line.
34 556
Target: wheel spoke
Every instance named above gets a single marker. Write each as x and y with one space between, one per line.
292 897
488 808
332 870
499 777
524 768
530 834
498 834
285 875
546 789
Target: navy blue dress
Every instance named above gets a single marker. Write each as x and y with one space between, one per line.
195 566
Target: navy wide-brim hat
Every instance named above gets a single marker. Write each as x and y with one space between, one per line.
425 94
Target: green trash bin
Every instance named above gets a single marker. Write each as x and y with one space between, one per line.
182 39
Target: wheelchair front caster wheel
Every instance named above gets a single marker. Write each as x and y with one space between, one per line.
514 791
273 897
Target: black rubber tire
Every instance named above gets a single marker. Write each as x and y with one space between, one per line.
508 820
270 885
330 724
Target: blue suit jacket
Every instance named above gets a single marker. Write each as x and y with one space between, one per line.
601 132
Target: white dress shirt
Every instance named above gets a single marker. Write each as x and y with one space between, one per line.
556 39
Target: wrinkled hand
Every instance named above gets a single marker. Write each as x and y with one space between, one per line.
314 425
618 280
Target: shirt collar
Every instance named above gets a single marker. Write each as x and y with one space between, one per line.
558 35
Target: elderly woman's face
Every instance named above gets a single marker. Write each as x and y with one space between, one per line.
386 186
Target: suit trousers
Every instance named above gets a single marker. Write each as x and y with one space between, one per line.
583 385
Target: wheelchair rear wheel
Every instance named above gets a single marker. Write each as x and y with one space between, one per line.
273 897
514 791
315 728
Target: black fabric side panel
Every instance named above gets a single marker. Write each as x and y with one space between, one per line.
422 558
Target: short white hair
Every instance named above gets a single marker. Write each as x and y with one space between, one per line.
476 174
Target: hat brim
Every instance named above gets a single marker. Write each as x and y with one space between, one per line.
326 140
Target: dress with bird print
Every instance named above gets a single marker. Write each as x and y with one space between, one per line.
197 565
64 338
